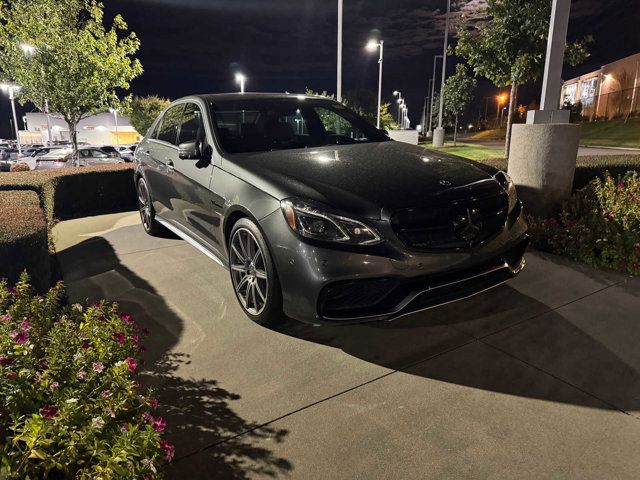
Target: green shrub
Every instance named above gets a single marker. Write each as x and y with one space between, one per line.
599 225
70 405
24 238
79 191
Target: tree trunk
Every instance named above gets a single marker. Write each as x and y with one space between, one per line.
73 133
513 102
455 132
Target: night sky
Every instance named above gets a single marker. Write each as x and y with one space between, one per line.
195 46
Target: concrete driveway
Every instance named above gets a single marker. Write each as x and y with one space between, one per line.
536 379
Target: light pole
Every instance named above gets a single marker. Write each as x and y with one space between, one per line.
115 116
438 136
397 93
372 46
12 89
433 92
240 79
339 72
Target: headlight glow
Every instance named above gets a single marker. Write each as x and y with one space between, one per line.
311 222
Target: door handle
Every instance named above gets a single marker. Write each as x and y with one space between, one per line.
170 166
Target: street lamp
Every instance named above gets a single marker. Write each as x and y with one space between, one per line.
115 116
373 46
438 136
501 99
397 93
11 90
240 79
433 92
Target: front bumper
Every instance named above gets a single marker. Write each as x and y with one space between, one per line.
353 285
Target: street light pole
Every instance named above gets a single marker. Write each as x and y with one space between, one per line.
433 92
115 116
11 89
46 111
438 139
339 77
240 79
372 45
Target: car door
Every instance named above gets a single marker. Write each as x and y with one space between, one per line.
161 154
95 157
196 207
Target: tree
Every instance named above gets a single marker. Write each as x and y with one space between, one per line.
509 47
144 111
458 92
61 52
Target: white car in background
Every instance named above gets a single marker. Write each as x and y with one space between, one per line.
126 152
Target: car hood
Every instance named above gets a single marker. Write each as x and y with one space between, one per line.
365 179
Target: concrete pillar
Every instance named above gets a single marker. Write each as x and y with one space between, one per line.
542 162
542 155
438 137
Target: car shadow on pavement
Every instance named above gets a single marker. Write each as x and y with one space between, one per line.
490 340
196 410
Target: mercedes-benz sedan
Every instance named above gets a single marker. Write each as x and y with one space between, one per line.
320 216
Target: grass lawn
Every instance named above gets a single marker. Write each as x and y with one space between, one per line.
612 133
471 151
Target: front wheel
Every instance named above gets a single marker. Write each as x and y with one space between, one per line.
253 274
147 215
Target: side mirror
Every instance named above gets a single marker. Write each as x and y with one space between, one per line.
189 151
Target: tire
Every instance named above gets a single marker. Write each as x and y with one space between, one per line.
253 274
145 207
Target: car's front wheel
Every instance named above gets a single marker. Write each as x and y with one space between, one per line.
253 274
147 215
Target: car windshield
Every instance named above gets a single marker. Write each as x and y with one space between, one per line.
264 124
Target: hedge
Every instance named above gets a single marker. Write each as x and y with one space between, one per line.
31 202
24 240
77 192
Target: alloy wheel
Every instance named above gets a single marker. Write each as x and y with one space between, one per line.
144 203
248 271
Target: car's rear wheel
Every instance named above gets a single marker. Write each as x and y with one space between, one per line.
147 215
253 274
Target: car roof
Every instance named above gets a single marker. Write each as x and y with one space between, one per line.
253 96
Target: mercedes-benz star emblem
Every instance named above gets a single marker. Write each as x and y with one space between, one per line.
468 225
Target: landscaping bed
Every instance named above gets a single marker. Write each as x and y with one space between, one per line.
32 202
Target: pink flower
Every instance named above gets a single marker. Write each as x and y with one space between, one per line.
126 318
611 214
25 325
81 374
6 317
54 386
124 428
97 367
154 403
147 417
6 361
132 363
111 413
19 337
85 345
136 340
12 376
119 337
49 411
168 449
159 424
621 185
106 394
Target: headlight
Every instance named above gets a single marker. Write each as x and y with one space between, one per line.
505 181
311 222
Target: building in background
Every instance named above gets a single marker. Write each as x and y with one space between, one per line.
607 93
100 129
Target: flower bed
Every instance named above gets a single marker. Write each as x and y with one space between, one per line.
70 404
599 225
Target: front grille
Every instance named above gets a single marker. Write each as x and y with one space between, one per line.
447 225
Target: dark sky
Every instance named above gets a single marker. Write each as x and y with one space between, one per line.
195 46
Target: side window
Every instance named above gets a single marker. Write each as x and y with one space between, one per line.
334 124
98 154
192 125
170 122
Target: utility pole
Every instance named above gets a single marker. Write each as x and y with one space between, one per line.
339 86
433 92
46 111
438 137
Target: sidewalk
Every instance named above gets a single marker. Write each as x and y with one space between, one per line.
536 379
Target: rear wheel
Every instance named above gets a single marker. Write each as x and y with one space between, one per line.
253 274
147 215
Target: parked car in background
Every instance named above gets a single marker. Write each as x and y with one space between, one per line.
126 152
87 156
320 216
36 153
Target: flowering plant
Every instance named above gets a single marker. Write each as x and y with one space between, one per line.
70 405
599 225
